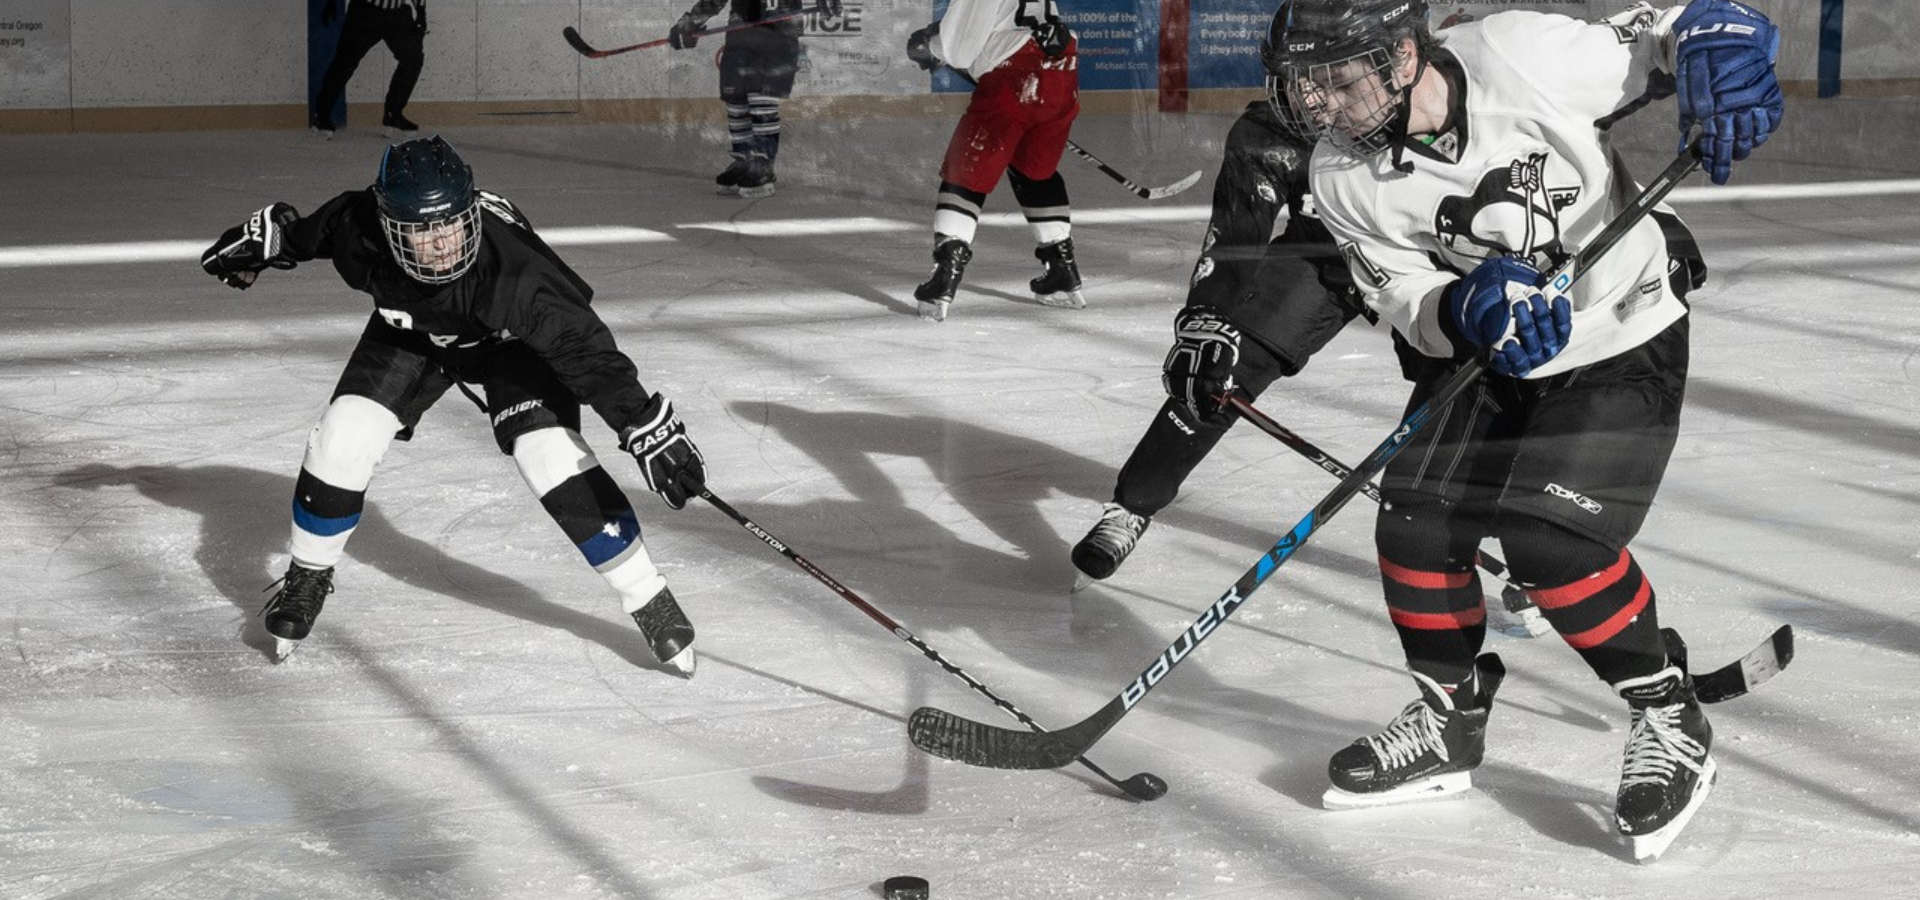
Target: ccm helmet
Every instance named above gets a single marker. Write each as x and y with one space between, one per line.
429 209
1334 61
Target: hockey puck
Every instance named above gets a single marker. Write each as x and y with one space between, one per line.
905 887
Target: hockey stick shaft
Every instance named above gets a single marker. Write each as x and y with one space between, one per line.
1336 468
1144 193
1143 786
953 737
580 45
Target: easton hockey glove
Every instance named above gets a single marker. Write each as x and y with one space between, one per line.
1199 368
1724 77
669 461
249 248
1498 305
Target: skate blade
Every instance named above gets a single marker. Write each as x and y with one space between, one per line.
682 663
728 191
283 648
1648 847
1429 788
756 193
934 310
1081 581
1062 300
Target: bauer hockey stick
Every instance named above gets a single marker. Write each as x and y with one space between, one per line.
949 736
1142 786
580 44
1144 193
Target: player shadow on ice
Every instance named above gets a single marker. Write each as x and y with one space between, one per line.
908 798
244 529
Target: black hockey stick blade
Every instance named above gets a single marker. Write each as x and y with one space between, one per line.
1748 672
578 43
961 739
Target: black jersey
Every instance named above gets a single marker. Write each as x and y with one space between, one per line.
517 290
1291 291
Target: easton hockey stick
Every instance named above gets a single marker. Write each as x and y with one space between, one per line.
1144 193
1512 596
949 736
1142 786
580 44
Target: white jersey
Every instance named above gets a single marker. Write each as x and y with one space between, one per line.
1525 172
976 35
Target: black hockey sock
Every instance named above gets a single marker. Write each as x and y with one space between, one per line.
1432 591
1044 203
595 515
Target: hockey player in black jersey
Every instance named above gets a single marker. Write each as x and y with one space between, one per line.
466 294
1454 169
1256 310
757 69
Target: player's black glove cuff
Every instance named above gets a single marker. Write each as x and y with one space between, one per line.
1199 368
685 33
670 463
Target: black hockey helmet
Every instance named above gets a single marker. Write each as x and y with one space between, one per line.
1322 52
429 209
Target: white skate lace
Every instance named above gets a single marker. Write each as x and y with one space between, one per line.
1119 530
1415 731
1657 747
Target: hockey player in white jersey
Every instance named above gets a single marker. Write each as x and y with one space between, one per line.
1453 169
1025 65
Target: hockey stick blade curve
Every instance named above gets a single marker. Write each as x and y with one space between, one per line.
578 43
1748 672
1162 193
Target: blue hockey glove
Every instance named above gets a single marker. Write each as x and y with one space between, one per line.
670 463
919 49
1725 80
685 33
1199 368
1498 305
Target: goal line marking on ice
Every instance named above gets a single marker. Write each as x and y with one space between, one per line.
30 256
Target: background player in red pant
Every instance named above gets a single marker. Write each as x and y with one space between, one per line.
1025 66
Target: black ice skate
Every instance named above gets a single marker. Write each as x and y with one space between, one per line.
290 614
394 123
321 123
1429 750
950 258
757 180
1059 285
1107 545
669 635
1667 772
727 183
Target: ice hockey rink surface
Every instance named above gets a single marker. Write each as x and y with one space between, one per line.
473 716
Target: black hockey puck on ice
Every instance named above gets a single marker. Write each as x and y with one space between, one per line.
905 887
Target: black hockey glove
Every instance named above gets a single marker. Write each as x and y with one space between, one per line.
685 33
1199 368
669 461
828 9
249 248
919 49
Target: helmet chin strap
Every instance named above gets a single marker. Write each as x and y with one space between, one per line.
1403 118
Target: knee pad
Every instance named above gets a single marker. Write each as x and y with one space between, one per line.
352 436
548 457
1424 532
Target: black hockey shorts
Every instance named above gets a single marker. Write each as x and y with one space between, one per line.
404 372
1584 450
758 61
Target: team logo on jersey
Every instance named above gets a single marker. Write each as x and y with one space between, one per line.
1512 211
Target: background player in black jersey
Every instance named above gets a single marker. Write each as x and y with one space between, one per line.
465 293
402 26
757 68
1287 296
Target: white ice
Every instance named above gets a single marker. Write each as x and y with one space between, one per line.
474 718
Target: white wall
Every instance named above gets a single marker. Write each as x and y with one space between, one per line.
135 53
